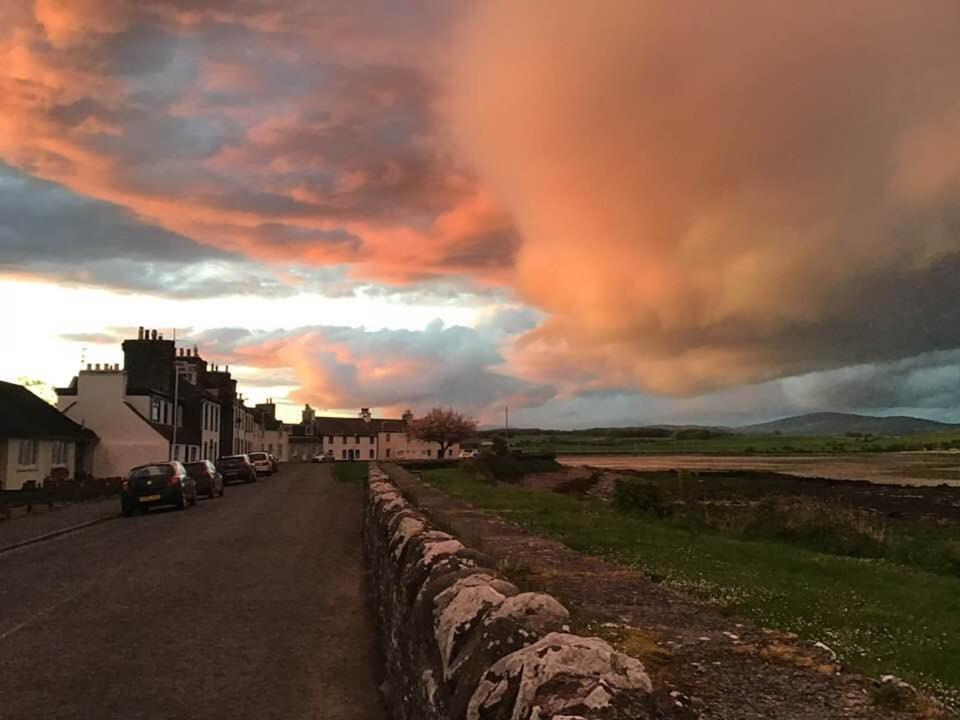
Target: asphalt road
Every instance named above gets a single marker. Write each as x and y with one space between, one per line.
247 606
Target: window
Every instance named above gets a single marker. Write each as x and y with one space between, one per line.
330 439
28 453
356 439
155 409
59 453
429 453
344 439
388 437
309 429
371 453
388 452
344 454
193 452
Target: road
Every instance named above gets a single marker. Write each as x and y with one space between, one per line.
248 606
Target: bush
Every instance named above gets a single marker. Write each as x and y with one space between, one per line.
512 467
634 496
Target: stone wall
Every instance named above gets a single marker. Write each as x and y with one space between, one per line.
461 642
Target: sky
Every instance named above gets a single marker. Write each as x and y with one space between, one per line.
611 213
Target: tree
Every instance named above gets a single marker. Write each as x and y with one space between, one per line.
40 388
446 427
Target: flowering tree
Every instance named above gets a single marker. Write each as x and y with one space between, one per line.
446 427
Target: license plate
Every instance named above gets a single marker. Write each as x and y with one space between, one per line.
149 498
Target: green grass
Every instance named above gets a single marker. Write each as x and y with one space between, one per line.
882 617
579 443
350 472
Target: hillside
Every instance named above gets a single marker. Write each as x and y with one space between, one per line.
831 423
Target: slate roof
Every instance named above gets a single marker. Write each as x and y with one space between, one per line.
350 426
24 415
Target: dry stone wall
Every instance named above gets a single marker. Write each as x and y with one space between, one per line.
463 643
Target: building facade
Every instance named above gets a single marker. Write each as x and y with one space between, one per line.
360 438
165 403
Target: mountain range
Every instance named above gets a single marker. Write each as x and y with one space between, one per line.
834 423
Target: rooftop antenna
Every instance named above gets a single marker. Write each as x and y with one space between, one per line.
83 357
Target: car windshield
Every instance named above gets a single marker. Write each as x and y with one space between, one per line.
196 468
232 460
150 471
258 456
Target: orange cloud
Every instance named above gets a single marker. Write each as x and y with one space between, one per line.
242 129
708 197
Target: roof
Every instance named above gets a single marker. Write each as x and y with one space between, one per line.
164 430
24 415
350 426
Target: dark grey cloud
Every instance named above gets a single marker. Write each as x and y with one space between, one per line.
926 384
41 221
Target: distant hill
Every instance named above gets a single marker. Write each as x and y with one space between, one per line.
831 423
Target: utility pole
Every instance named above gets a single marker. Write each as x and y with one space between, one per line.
506 424
176 399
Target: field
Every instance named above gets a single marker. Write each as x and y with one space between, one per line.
880 588
906 468
624 441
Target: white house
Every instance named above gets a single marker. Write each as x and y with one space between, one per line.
133 429
360 438
37 442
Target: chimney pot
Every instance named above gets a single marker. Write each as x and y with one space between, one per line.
153 334
89 366
140 333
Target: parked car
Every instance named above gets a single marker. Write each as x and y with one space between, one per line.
322 457
237 468
208 478
162 483
262 463
469 453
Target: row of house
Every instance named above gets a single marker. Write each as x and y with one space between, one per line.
165 403
359 438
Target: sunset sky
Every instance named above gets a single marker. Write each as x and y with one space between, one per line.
608 213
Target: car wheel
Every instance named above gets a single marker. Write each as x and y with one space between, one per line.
193 498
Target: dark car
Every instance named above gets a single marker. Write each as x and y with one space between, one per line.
208 478
163 483
237 468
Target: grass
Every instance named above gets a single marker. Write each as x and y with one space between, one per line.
354 473
585 443
879 616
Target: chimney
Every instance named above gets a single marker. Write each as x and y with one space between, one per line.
89 366
140 333
365 414
153 334
407 417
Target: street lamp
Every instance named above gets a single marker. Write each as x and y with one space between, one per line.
176 403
